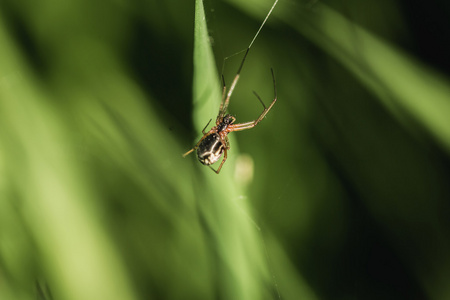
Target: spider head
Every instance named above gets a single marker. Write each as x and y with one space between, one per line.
228 119
225 122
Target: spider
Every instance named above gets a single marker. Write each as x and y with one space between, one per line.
215 141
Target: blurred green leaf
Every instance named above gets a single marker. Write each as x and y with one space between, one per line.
340 194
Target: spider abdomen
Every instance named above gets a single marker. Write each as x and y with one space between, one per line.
210 149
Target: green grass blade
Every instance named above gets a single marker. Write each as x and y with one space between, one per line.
206 85
234 235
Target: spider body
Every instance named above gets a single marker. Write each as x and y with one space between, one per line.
210 149
215 141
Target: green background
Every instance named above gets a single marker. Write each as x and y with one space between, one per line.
341 192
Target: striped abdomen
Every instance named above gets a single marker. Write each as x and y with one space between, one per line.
210 149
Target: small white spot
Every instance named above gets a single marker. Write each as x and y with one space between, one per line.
243 173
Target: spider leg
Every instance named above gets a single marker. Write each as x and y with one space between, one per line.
236 78
221 164
203 130
241 126
226 101
248 125
227 142
224 91
198 144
